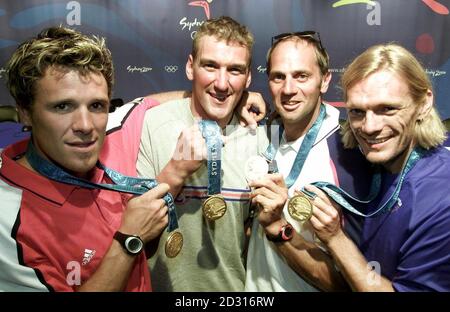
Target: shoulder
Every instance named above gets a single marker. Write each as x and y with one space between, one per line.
167 115
178 106
426 188
434 167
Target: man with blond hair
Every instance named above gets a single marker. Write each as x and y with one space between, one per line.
405 245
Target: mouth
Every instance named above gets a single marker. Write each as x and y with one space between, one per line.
375 143
83 146
219 97
290 105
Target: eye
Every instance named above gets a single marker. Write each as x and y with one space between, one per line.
209 66
277 78
61 107
237 70
98 106
354 112
388 109
302 77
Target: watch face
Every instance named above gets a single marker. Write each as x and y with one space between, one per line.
287 232
134 245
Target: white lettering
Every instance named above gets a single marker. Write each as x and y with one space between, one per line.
186 24
74 16
187 302
74 276
374 16
132 69
261 69
431 72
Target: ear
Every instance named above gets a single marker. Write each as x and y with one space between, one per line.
426 106
249 78
25 116
325 82
190 68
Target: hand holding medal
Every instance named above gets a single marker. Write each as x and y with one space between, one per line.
326 216
270 194
121 183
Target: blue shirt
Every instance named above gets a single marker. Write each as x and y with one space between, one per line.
412 241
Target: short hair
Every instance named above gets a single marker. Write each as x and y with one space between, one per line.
56 46
323 60
428 132
227 29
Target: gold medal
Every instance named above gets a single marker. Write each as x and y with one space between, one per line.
300 207
214 207
174 243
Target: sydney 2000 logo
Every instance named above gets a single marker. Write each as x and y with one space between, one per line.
191 25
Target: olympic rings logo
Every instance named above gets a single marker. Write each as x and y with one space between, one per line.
171 68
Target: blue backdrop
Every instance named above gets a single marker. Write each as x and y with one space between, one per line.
150 39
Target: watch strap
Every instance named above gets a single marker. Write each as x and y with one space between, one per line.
285 234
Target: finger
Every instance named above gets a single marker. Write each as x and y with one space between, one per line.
164 211
258 183
265 204
320 194
320 214
268 193
157 204
157 192
316 223
268 180
276 178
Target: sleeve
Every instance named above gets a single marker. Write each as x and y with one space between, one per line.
424 263
121 146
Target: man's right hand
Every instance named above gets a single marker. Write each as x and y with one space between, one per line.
190 151
146 215
270 195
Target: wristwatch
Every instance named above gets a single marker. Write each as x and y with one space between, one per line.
132 244
286 233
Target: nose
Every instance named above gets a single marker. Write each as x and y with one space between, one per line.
289 86
82 122
372 123
221 82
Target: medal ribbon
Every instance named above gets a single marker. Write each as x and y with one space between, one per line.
125 184
343 198
306 146
212 134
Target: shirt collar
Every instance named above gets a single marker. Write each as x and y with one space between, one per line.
32 181
329 126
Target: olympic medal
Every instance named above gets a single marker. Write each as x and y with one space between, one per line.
214 207
174 243
255 168
300 207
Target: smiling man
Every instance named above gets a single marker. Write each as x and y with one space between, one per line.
405 246
310 150
213 201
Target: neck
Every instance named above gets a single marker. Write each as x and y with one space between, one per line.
397 164
295 130
198 112
38 152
